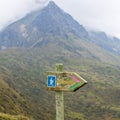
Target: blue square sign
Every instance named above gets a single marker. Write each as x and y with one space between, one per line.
51 81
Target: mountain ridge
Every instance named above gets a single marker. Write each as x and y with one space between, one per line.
38 28
51 20
105 41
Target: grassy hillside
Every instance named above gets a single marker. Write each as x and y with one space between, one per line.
23 81
12 117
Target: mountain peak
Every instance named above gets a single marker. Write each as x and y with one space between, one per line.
55 21
52 7
50 21
52 3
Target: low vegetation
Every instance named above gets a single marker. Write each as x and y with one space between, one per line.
12 117
23 86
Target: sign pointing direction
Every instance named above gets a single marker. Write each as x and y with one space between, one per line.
60 81
65 81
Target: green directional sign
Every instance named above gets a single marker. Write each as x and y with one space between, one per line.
60 81
66 81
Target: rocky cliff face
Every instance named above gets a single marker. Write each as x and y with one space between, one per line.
37 26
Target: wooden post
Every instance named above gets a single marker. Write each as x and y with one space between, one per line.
59 96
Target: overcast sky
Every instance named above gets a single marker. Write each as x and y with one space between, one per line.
101 15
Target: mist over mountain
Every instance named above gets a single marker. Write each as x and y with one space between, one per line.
37 26
106 42
40 27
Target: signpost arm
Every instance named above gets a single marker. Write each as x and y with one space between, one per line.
59 98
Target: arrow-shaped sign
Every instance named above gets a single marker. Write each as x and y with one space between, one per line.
66 81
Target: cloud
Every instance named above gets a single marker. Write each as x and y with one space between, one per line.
12 10
96 14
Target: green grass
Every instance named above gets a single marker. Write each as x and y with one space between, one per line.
13 117
76 116
23 85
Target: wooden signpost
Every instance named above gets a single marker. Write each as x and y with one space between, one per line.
60 81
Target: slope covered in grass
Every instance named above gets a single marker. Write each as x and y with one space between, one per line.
12 117
24 73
